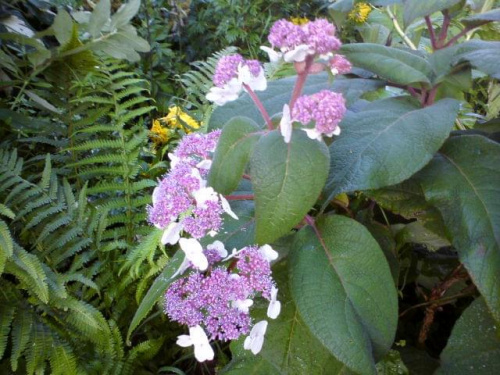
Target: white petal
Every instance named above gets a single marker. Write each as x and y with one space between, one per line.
204 164
336 131
204 195
183 267
184 341
221 96
273 55
334 71
156 195
268 253
298 54
171 235
202 349
242 305
194 252
174 160
255 340
244 74
313 134
286 124
219 247
227 208
258 83
274 309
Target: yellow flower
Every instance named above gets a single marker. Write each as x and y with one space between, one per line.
159 134
178 119
360 12
299 20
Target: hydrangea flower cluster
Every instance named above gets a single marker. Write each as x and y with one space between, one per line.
296 42
182 201
215 305
339 65
325 108
232 75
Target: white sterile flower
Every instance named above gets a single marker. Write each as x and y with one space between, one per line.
194 253
313 133
219 247
268 253
286 124
227 208
242 305
255 340
196 174
258 83
171 235
174 160
298 54
228 93
197 337
204 164
273 55
274 308
156 195
203 195
183 267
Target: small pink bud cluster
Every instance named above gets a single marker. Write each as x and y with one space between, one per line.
215 304
325 108
296 42
339 64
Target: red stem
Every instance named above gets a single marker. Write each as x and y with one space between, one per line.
444 28
301 80
458 36
260 106
431 32
239 197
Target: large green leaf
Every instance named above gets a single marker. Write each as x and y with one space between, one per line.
482 18
235 145
343 288
474 344
155 292
482 55
287 179
279 93
386 143
289 347
393 64
463 182
421 8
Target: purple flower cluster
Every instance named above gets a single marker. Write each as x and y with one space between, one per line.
218 300
175 197
326 108
228 68
297 41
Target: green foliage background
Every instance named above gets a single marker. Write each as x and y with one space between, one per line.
82 273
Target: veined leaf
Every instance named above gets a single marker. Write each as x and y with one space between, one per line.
463 182
415 9
343 288
287 179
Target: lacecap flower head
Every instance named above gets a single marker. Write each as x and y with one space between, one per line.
217 302
296 42
324 110
232 74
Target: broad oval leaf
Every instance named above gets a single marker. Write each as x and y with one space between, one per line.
343 288
386 143
482 18
155 292
393 64
287 179
463 182
482 55
474 344
415 9
235 145
289 347
279 93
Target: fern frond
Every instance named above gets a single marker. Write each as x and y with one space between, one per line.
6 318
130 115
20 335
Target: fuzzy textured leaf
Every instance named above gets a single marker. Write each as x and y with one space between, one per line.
287 180
463 182
343 288
386 143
